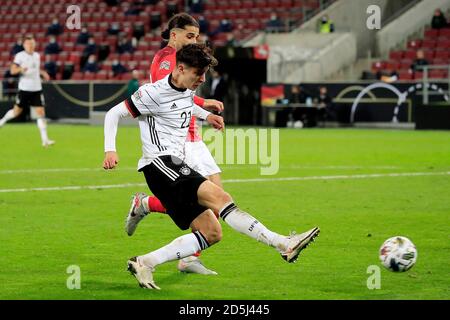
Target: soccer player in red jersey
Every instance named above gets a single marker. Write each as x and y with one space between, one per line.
182 29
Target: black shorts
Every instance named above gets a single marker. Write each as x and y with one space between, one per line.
25 99
175 184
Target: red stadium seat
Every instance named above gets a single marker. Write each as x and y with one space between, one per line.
396 55
77 76
414 44
405 75
405 64
444 33
89 76
429 44
392 65
431 33
443 43
441 54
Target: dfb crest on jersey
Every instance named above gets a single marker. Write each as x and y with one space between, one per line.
137 95
165 65
185 171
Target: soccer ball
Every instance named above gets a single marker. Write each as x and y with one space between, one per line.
398 254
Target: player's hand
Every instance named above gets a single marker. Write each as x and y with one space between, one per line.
46 76
213 104
23 70
111 160
216 121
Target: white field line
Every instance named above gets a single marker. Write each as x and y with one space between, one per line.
338 177
228 167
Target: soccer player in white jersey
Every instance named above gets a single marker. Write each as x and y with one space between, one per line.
27 65
164 109
182 29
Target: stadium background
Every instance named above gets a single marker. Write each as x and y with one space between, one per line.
260 64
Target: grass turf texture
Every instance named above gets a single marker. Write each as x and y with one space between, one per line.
44 232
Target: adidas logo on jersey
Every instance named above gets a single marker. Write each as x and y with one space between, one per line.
174 106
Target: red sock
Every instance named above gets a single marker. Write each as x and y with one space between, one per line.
197 254
155 205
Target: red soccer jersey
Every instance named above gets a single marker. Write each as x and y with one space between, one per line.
163 63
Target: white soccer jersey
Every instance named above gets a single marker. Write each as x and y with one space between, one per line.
164 114
30 80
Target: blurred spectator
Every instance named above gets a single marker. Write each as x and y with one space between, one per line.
196 6
51 67
118 68
155 20
52 47
124 46
138 31
103 52
297 95
325 105
112 2
114 29
224 26
91 47
231 40
171 9
83 36
300 116
218 86
133 84
203 24
438 21
274 24
17 47
420 61
326 25
10 83
387 77
55 28
91 65
133 10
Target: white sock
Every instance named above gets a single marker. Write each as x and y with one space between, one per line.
42 125
8 116
179 248
244 223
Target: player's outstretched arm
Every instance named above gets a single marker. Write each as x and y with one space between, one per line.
210 104
216 121
110 130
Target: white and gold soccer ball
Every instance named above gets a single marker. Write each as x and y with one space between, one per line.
398 254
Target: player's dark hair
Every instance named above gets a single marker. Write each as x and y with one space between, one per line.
196 55
180 21
28 37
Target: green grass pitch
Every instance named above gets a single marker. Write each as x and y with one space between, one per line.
43 232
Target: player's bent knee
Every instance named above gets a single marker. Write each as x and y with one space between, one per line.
213 235
225 197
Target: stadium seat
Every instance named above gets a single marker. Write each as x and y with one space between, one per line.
414 44
396 55
442 54
405 75
444 33
409 54
429 44
431 33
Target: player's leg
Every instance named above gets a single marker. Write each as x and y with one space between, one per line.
42 126
12 113
207 232
37 100
199 158
211 196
